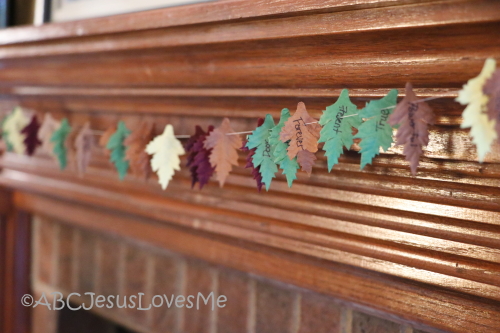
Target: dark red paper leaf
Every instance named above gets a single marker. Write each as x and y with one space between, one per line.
31 131
198 157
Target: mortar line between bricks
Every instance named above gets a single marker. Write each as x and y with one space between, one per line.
54 275
251 315
150 268
296 313
215 288
76 259
35 245
97 266
406 329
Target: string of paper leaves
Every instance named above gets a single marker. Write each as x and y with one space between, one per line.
288 145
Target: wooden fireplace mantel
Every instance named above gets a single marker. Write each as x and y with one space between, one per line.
424 248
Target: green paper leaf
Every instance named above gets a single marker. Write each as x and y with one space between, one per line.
337 122
263 157
59 140
279 150
118 149
375 132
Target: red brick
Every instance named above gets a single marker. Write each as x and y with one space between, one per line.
108 265
45 252
135 281
86 262
199 278
319 314
166 282
233 317
363 323
274 312
66 258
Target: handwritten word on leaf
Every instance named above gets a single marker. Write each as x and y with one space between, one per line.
303 132
338 121
117 147
413 133
59 140
289 166
482 129
166 150
263 158
375 132
224 150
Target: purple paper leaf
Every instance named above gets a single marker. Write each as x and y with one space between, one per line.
31 131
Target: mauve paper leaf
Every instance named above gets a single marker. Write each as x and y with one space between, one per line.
49 126
337 121
224 150
301 133
306 160
199 158
135 153
30 132
375 132
249 159
263 158
13 126
492 90
482 129
59 139
84 144
166 150
116 146
288 166
413 120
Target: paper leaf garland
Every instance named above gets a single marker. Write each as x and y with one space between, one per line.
31 141
492 89
135 153
482 129
117 148
13 126
58 138
263 158
375 132
288 166
47 129
198 157
302 137
83 145
255 170
166 150
338 121
413 133
224 154
103 141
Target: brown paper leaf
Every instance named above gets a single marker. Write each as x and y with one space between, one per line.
136 142
306 160
84 143
302 135
71 146
103 141
225 150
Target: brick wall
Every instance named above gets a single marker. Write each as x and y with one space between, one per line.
69 259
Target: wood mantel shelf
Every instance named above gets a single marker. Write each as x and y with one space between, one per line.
424 248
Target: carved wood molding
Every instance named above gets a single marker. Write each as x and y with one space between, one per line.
435 236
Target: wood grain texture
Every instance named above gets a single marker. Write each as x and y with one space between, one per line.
437 234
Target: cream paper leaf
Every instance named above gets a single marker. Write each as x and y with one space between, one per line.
49 126
13 126
166 150
475 116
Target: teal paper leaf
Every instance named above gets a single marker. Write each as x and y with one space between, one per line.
337 121
279 150
59 139
118 149
263 157
375 132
